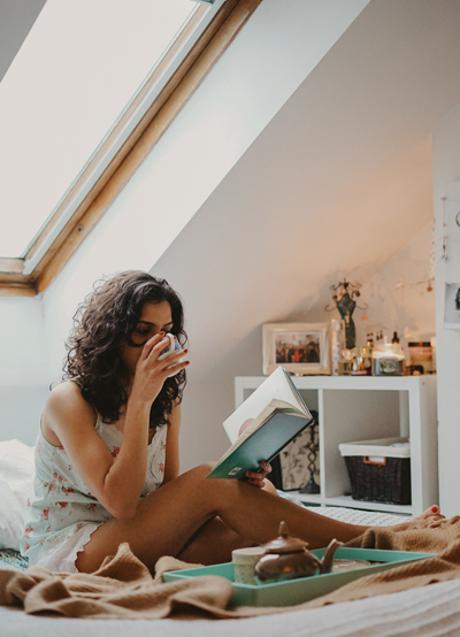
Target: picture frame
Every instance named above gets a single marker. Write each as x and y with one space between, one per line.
452 306
301 348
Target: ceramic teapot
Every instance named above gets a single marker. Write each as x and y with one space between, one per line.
287 557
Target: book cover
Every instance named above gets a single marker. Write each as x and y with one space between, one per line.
262 426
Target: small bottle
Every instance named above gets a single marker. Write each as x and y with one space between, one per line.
370 343
335 346
369 348
433 354
395 338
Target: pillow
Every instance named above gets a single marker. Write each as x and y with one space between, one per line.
17 469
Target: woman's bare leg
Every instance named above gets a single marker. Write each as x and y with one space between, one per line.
167 518
215 540
213 543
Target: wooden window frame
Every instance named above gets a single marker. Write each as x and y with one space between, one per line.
58 239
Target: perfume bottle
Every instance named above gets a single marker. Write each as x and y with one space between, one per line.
346 361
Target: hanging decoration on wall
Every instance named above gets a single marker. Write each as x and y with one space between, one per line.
427 282
452 305
344 295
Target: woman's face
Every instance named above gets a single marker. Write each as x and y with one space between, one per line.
154 317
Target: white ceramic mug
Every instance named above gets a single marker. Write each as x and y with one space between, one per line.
244 561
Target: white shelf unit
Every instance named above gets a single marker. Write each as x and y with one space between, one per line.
359 408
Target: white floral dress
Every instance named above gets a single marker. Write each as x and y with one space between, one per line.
64 513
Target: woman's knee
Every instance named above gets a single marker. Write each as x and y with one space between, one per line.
216 488
201 470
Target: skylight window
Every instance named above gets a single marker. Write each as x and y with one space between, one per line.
75 74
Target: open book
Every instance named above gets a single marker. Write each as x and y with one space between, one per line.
272 416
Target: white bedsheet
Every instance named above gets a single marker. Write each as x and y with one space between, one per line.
431 611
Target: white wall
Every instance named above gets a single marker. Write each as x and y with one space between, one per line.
278 47
343 171
340 182
340 177
446 169
23 367
228 296
263 66
274 52
23 363
396 291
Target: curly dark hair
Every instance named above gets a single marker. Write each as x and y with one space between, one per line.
106 317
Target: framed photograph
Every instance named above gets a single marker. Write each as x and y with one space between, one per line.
301 348
452 306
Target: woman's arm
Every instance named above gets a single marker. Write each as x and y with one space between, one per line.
116 483
71 419
172 468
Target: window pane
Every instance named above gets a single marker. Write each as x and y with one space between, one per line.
76 71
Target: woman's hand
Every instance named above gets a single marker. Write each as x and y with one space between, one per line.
151 373
257 478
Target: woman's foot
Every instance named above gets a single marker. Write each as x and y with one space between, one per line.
433 515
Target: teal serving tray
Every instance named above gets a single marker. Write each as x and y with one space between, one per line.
301 589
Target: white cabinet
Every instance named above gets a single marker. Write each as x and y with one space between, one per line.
359 408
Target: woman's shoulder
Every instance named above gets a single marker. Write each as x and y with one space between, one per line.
65 398
65 403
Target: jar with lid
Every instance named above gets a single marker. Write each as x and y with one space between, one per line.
421 353
388 360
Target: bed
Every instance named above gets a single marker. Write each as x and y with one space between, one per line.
429 611
425 612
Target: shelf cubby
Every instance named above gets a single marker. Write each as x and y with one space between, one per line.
361 408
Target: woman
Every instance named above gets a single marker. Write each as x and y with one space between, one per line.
107 453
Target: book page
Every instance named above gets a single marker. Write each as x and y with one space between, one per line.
278 386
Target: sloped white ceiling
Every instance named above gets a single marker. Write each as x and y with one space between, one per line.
341 177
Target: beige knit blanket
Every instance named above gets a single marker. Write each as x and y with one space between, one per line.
123 586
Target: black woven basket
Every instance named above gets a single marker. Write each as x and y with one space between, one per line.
388 482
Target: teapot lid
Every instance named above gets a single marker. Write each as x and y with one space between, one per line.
285 543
